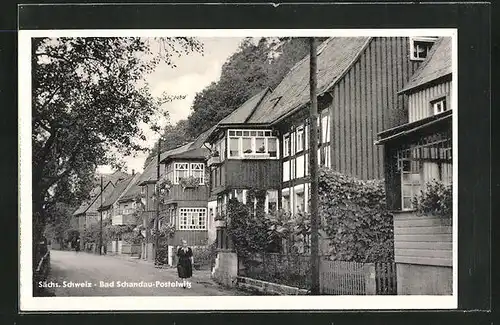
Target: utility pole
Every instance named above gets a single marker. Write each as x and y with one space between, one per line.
100 225
313 166
157 202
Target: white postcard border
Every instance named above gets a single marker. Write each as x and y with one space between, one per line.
30 303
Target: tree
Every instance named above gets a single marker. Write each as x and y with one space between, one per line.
59 223
88 102
173 136
251 69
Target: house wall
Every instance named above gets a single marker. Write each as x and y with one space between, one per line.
365 102
177 193
419 101
423 252
252 174
424 240
212 231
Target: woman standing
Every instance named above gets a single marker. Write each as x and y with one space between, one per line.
185 261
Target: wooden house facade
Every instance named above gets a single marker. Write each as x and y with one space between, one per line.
358 83
416 153
244 157
184 196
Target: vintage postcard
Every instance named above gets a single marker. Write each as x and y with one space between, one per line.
264 169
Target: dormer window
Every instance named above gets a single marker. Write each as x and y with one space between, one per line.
420 47
439 106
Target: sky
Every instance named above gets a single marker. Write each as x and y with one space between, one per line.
193 73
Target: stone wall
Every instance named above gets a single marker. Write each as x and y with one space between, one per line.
225 271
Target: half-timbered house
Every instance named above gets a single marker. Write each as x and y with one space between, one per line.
244 157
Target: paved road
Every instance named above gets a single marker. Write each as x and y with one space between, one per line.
84 274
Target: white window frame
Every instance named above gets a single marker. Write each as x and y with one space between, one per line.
286 145
192 215
177 171
194 167
414 185
190 171
300 139
439 105
253 135
414 39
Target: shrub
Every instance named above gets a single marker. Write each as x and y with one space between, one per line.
435 199
356 218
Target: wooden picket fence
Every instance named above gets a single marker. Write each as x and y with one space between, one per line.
385 279
343 278
336 277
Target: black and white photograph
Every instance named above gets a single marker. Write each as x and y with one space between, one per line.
261 169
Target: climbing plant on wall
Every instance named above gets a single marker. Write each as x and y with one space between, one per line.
356 218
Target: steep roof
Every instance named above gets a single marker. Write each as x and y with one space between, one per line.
149 173
120 187
195 153
245 111
437 65
202 138
95 194
132 190
335 57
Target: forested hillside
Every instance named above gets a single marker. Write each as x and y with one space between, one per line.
249 70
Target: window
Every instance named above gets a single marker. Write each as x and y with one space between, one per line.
439 106
299 201
292 142
286 171
300 139
234 147
192 218
247 145
286 146
272 201
198 171
285 202
420 47
272 147
252 144
239 195
410 179
292 167
181 170
260 145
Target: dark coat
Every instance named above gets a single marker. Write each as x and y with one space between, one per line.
184 265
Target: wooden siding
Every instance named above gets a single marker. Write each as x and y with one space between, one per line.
366 102
424 240
193 237
252 173
177 193
419 102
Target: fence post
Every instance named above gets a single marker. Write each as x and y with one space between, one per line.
370 283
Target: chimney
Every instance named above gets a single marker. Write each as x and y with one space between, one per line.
133 172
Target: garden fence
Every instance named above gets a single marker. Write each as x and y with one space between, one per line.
336 277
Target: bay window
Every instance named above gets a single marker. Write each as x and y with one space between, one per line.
184 170
252 144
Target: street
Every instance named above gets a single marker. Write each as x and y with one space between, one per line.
84 274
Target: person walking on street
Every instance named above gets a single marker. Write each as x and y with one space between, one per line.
77 245
185 262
